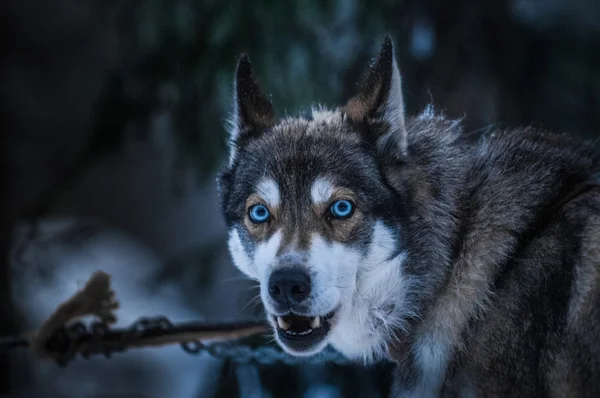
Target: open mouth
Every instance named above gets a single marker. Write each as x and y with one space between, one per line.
302 333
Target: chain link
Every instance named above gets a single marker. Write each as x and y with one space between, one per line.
268 355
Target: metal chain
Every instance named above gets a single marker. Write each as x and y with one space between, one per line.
78 338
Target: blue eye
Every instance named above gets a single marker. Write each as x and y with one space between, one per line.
258 214
342 209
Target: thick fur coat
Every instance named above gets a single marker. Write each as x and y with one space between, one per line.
475 266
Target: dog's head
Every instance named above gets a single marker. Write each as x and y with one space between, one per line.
312 217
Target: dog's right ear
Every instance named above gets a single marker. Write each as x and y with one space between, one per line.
252 110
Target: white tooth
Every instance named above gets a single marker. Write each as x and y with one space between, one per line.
315 322
282 324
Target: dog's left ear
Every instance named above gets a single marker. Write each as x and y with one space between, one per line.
252 111
379 102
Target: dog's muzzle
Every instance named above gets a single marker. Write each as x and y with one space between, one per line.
297 328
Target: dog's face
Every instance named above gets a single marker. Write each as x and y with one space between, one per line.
311 217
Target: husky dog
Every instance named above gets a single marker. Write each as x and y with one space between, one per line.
474 266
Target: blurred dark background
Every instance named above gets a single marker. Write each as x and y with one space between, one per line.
112 118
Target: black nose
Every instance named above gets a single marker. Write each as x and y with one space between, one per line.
288 286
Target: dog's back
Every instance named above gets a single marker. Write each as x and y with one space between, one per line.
518 315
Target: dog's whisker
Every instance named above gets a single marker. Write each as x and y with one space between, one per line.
256 300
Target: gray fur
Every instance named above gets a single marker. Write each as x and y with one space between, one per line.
495 245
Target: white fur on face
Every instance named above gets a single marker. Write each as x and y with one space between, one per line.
378 305
265 255
321 190
257 266
268 190
369 292
333 267
239 256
